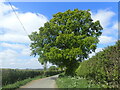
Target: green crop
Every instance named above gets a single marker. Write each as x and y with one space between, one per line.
10 76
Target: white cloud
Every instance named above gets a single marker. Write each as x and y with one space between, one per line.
31 63
14 38
115 26
104 16
110 31
26 52
13 46
14 31
5 8
110 26
113 30
96 51
106 40
14 59
11 59
8 54
13 55
31 22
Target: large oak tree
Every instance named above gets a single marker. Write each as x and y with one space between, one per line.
67 39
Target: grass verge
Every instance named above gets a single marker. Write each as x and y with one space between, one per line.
20 83
75 82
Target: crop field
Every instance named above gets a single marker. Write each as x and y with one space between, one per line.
10 76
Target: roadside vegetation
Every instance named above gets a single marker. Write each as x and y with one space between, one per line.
103 68
10 76
75 82
20 83
100 71
14 78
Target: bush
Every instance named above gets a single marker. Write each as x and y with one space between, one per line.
53 68
103 67
50 73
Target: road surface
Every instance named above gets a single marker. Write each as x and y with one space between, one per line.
48 82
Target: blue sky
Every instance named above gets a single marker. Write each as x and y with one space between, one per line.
14 43
50 8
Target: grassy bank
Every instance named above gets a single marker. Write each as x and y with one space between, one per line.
20 83
75 82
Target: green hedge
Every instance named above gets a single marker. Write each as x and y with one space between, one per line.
52 72
10 76
103 67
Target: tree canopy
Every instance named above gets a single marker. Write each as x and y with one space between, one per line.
66 39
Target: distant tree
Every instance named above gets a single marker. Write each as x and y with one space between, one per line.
52 68
67 39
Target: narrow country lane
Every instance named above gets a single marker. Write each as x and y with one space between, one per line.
48 82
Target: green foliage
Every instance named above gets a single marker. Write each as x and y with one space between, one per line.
10 76
20 83
52 68
53 72
16 85
67 36
75 82
103 67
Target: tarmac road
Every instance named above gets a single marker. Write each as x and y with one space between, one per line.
48 82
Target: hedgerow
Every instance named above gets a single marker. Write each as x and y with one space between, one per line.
103 67
10 76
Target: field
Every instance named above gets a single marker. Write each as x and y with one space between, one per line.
10 76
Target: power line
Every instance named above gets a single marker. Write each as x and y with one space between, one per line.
17 17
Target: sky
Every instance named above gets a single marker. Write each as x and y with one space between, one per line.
61 0
14 42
